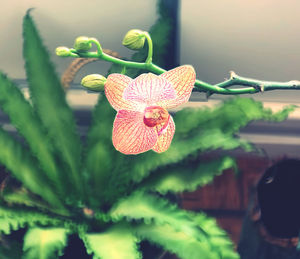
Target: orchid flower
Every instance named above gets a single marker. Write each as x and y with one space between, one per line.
142 121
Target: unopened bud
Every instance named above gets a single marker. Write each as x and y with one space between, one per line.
82 44
134 39
94 82
63 52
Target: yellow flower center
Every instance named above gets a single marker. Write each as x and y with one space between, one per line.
155 116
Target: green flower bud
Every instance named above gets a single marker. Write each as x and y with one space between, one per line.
63 52
94 82
82 44
134 39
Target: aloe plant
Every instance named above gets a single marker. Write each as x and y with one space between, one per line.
110 200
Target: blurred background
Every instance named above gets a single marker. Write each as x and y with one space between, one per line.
258 39
60 22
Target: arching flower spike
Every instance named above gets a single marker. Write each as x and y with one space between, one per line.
143 122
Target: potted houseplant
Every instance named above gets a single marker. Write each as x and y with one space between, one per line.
98 190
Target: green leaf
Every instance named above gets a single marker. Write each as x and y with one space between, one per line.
229 116
142 206
135 168
48 98
117 242
176 242
21 196
42 243
12 219
24 167
7 225
214 244
186 176
217 237
100 154
23 117
142 165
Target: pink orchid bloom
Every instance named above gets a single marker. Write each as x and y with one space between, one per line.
143 122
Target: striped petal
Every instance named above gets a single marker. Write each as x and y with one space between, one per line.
131 135
114 89
149 89
165 138
183 79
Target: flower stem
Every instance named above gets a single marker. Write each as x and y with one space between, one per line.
98 45
150 48
249 85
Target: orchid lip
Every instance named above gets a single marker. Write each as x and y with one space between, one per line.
156 116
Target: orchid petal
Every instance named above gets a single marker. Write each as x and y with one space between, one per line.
149 89
183 79
114 88
165 138
131 135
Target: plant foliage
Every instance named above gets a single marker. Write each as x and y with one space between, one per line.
44 243
171 178
116 242
48 99
112 201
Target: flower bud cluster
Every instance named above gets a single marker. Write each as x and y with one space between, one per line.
81 44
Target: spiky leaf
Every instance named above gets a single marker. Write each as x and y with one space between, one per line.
7 225
49 101
23 166
187 176
23 117
100 155
42 243
176 242
14 219
138 167
229 116
217 237
22 196
117 242
214 244
142 206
